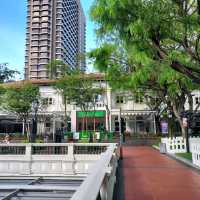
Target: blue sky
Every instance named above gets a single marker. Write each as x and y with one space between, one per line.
13 30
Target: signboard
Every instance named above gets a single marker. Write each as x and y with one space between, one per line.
164 127
97 113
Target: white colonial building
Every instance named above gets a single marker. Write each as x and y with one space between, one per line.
136 116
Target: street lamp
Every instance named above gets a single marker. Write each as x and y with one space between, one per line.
33 134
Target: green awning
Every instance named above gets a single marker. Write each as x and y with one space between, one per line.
98 113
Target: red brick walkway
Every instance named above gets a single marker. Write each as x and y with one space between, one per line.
149 175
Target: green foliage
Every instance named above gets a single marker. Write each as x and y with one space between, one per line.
150 47
5 73
160 32
19 99
78 89
57 68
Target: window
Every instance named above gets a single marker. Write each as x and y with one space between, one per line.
138 98
98 98
35 43
45 18
45 13
34 54
36 19
44 30
120 99
36 7
44 55
34 61
44 24
48 101
34 48
45 7
197 100
36 14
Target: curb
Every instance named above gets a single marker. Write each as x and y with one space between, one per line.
179 159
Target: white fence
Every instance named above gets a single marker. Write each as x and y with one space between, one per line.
195 149
49 159
178 145
175 145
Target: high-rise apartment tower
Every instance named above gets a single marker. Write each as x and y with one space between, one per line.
55 30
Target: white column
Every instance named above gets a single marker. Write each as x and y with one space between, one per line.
28 164
109 103
54 128
23 127
73 120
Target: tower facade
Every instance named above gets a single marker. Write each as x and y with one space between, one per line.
55 30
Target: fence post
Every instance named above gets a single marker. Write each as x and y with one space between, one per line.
28 159
69 163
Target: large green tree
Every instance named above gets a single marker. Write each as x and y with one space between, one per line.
19 100
78 89
159 31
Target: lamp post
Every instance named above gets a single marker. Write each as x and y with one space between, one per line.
33 134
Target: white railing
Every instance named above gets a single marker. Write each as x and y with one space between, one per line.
175 145
101 178
178 145
49 159
195 150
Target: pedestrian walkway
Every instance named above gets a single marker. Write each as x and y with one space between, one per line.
149 175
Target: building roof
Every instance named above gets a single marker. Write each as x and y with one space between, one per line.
46 82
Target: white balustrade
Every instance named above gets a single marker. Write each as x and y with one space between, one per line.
101 178
49 159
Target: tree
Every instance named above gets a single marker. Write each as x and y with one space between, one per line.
5 73
57 68
19 100
78 89
158 31
127 72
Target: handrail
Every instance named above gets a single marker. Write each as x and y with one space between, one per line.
55 144
90 187
68 149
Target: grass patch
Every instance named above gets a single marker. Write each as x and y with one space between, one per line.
187 156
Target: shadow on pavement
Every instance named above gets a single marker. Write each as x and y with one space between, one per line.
119 186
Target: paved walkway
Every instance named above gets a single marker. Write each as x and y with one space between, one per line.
149 175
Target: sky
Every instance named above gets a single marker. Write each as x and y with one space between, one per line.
13 32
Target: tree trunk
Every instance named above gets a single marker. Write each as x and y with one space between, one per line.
157 121
177 114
